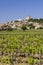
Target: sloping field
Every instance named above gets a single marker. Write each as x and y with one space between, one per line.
21 47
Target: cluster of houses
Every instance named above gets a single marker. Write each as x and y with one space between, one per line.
19 23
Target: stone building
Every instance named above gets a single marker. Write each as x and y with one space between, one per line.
28 18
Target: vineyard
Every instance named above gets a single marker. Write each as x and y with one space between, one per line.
21 47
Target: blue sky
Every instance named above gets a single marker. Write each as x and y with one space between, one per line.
19 9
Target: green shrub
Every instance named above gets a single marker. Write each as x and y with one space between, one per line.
31 61
24 27
3 59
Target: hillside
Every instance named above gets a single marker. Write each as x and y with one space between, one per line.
28 23
21 47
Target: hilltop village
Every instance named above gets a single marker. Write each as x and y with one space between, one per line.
19 24
20 43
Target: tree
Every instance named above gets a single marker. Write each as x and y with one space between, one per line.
24 27
31 26
17 21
